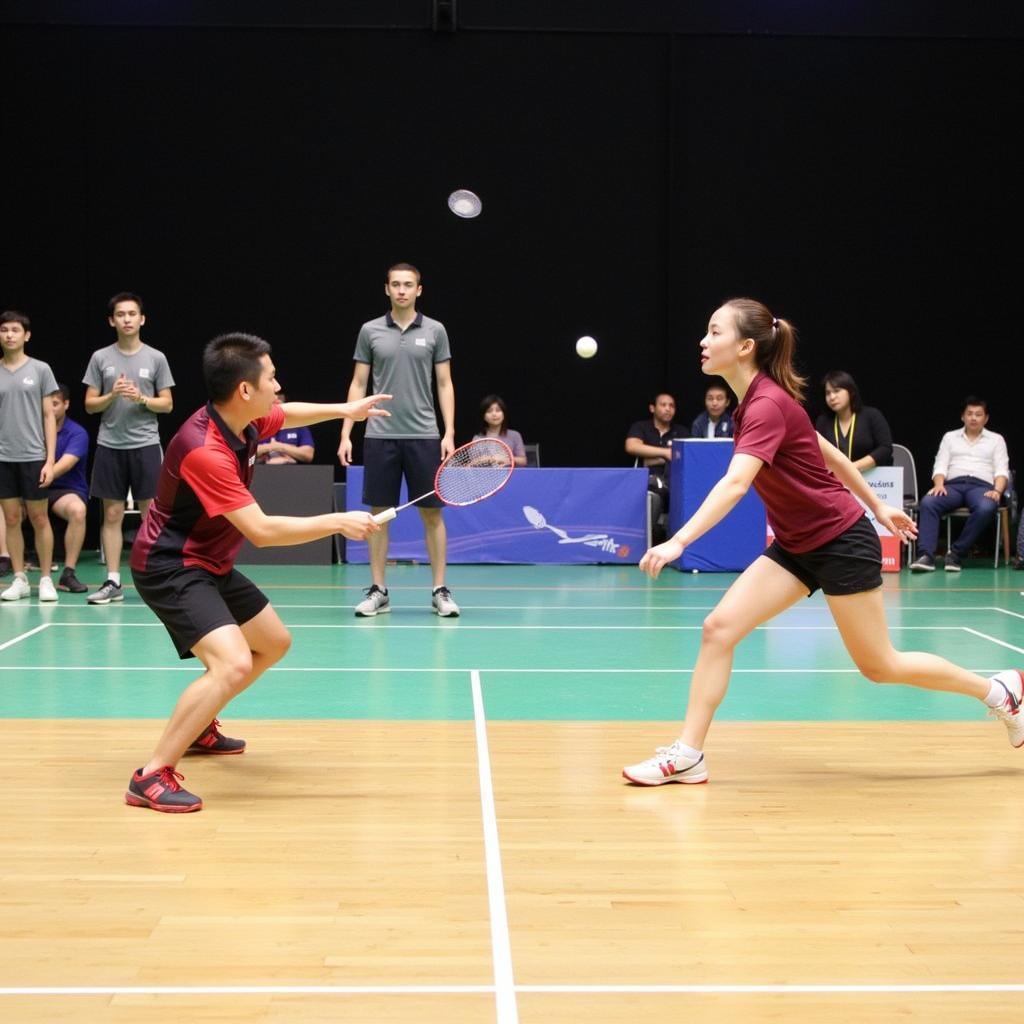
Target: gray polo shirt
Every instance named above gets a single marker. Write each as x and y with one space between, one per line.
21 410
403 366
126 424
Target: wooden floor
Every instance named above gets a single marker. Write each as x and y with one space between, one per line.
341 856
410 839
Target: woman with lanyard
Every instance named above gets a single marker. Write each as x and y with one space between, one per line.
822 540
857 430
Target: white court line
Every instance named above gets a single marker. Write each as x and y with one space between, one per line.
458 670
504 984
345 607
1006 611
398 990
463 626
985 636
23 636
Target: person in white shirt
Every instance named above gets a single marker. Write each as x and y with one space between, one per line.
972 469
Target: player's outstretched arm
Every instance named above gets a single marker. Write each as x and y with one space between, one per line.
303 414
265 531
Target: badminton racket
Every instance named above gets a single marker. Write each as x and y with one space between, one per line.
471 473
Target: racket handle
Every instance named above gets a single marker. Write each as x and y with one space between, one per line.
386 516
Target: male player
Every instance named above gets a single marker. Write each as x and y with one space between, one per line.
28 434
68 495
407 352
183 558
129 383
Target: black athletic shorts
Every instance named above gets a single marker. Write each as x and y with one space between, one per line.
21 480
192 602
850 564
385 462
116 471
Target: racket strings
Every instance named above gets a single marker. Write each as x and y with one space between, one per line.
474 471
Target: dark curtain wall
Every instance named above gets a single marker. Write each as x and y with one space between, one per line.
262 179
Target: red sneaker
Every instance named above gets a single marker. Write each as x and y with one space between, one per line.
160 791
213 742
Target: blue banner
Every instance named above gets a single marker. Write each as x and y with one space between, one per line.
541 516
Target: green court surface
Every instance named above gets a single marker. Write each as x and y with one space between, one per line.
550 643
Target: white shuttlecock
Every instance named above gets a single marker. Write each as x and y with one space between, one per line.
464 203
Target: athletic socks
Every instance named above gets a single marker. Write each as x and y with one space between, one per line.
115 576
694 755
998 690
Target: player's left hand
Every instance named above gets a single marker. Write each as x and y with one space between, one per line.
447 446
897 522
46 474
364 408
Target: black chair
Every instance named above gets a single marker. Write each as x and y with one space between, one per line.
903 457
532 455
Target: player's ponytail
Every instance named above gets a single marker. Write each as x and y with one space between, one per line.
774 344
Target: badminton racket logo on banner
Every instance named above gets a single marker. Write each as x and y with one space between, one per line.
603 541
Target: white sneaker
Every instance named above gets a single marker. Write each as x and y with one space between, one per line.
376 602
669 764
47 591
443 604
1012 681
17 590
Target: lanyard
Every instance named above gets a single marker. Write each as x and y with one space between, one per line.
849 436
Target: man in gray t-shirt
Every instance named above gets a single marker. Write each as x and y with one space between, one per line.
28 439
129 383
407 353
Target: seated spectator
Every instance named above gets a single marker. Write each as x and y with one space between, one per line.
715 420
1018 558
287 447
859 431
650 443
68 494
494 423
972 468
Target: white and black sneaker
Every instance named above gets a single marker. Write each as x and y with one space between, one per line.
669 764
376 602
1009 712
923 563
110 591
443 604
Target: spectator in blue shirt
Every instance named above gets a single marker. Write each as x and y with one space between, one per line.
287 447
68 495
715 420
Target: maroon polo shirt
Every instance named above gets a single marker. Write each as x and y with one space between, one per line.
206 472
807 506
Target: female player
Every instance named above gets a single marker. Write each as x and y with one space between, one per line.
823 539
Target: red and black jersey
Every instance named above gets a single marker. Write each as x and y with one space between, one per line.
206 472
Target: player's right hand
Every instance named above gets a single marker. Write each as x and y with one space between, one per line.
356 525
345 451
659 556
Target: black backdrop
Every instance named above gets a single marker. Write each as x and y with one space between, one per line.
261 178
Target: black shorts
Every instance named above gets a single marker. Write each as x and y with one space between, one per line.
385 462
21 480
192 602
850 564
116 471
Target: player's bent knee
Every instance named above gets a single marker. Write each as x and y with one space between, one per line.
877 671
718 632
